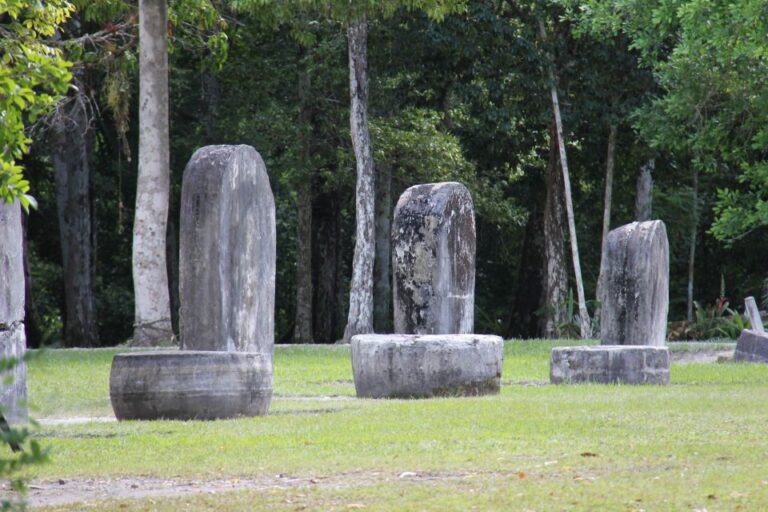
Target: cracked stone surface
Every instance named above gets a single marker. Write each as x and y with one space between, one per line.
609 364
433 260
635 294
13 391
227 252
423 366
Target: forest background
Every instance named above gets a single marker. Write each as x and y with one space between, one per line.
675 91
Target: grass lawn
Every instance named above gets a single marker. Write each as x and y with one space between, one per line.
700 443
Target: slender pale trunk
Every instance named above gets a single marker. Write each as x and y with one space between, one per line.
360 319
555 274
692 250
70 135
152 320
585 327
382 295
644 197
608 199
302 331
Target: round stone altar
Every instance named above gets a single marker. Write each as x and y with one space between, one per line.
610 364
424 366
187 385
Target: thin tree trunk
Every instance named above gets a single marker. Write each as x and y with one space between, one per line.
644 197
70 136
555 274
692 250
586 327
382 297
360 319
302 331
152 315
326 234
608 199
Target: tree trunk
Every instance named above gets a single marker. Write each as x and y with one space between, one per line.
302 331
326 235
692 250
555 274
70 137
586 326
152 315
644 198
609 166
360 319
382 295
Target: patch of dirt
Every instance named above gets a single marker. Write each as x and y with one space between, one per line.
700 356
48 493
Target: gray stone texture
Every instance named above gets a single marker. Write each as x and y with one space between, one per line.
635 296
609 364
433 260
227 252
186 385
424 366
752 346
13 394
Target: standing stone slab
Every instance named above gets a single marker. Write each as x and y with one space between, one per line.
752 346
424 366
227 252
609 364
433 260
635 296
13 394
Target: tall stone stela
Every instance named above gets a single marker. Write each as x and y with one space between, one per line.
433 260
13 394
227 252
635 295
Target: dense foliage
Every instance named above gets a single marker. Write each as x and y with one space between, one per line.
454 95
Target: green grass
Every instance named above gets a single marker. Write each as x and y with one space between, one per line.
701 442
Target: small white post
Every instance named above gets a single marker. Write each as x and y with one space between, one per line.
750 307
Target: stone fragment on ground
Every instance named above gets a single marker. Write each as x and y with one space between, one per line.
752 346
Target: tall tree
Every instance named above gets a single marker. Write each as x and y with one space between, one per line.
72 138
152 315
360 319
585 323
302 331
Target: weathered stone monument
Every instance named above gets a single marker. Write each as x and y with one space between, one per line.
635 296
423 366
227 292
634 305
752 345
13 394
227 252
433 260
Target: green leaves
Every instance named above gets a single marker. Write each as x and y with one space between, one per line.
32 77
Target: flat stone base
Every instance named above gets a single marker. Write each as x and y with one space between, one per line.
424 366
609 364
751 347
188 385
